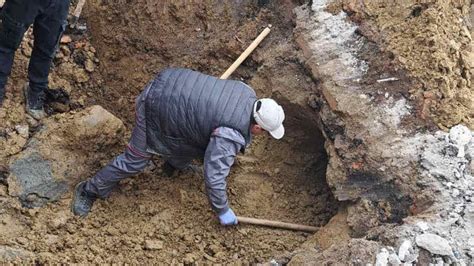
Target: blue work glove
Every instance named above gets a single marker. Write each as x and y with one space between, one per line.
228 218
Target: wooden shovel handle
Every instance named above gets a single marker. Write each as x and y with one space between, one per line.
277 224
246 53
78 10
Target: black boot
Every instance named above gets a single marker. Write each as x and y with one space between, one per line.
34 102
168 169
82 200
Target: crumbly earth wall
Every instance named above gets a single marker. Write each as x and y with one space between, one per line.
402 179
433 41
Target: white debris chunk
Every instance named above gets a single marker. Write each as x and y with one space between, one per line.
393 259
460 135
382 258
434 244
23 130
387 79
423 226
404 250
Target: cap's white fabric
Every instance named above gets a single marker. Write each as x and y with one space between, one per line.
270 117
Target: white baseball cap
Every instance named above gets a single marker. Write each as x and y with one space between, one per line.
269 115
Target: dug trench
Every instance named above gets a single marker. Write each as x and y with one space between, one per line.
151 218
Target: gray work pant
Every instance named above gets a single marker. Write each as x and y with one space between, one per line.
133 160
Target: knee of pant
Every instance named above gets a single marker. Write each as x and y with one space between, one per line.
11 33
45 47
130 163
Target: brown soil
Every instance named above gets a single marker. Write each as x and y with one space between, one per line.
281 180
430 39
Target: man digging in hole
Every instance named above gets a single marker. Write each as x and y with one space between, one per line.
182 115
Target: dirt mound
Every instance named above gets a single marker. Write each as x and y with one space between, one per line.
433 41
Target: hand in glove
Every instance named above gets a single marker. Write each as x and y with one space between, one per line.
228 218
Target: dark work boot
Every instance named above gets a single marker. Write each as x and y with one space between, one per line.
168 169
34 103
82 200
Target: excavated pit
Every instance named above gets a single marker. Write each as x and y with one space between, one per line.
150 218
273 180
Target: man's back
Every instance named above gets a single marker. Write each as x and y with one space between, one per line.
183 107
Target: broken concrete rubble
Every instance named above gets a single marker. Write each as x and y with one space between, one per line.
434 244
460 136
59 154
405 251
382 258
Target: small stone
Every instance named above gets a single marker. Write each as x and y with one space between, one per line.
209 258
32 212
89 66
27 50
81 27
59 55
460 135
66 39
187 238
189 258
60 220
434 244
21 240
404 249
455 193
95 249
3 191
65 50
113 231
153 244
142 209
423 226
31 121
214 249
51 239
23 130
382 258
393 259
31 198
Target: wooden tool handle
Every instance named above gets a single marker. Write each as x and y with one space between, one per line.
276 224
78 10
246 53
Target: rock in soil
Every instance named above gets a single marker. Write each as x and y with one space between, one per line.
434 244
60 154
153 244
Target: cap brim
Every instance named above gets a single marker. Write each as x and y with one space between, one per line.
278 133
